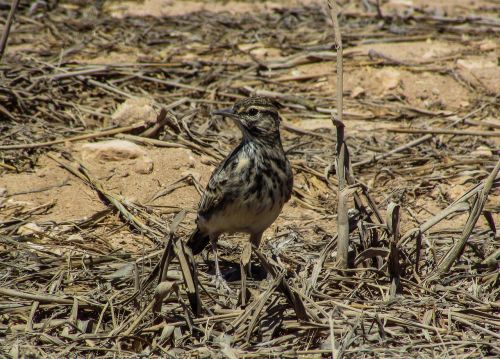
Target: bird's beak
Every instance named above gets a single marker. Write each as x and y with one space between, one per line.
228 112
225 112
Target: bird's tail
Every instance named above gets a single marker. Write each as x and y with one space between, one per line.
198 241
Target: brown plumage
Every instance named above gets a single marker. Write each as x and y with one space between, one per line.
247 191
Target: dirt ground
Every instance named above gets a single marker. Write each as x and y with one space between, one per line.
75 68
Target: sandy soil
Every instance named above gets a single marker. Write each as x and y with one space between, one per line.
410 74
433 91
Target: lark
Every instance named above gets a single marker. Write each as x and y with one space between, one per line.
247 191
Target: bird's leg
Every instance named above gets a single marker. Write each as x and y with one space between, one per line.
255 241
219 280
245 258
216 258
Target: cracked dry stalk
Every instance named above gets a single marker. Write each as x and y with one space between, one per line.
8 24
479 202
342 160
334 11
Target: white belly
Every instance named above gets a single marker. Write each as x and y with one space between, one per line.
253 217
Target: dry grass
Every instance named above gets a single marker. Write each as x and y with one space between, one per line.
419 276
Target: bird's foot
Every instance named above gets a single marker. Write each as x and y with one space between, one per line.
220 282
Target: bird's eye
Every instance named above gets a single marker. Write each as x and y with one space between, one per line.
252 112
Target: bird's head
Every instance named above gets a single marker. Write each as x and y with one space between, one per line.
257 117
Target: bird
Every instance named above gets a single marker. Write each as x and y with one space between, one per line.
248 189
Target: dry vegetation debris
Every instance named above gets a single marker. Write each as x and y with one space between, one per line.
82 236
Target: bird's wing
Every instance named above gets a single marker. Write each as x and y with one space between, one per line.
218 192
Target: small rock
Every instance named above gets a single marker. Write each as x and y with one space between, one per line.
132 111
487 45
184 159
472 64
482 151
144 165
118 150
389 78
29 229
357 91
76 237
114 150
260 52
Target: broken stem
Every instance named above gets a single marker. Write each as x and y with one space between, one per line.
6 29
